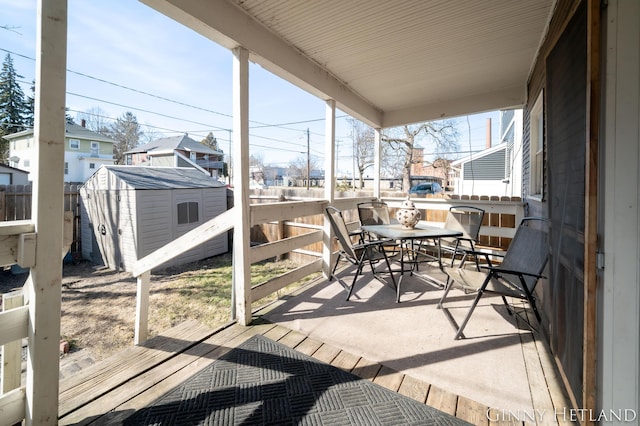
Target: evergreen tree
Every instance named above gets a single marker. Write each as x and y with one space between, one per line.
31 106
126 131
14 109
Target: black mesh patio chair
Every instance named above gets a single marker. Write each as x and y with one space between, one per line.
358 254
468 220
516 276
377 213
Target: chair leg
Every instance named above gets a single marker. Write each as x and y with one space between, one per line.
466 319
355 278
506 304
447 289
333 272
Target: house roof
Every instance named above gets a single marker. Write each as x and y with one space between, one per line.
146 177
480 154
4 167
182 142
71 131
385 62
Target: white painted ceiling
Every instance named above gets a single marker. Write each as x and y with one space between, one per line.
386 62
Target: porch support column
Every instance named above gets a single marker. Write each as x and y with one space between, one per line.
329 183
45 279
242 225
377 159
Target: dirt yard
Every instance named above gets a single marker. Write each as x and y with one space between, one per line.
98 305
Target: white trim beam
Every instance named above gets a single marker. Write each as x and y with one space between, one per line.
45 282
242 225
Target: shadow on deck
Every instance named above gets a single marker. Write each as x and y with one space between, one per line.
501 373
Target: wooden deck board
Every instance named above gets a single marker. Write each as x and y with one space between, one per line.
442 400
114 400
366 369
89 384
414 388
388 378
471 411
157 381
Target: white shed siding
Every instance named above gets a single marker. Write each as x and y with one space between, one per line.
155 220
127 226
132 216
215 203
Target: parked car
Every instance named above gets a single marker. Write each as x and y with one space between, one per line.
426 188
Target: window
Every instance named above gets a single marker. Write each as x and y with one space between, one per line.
74 144
66 168
536 146
187 213
95 148
27 163
92 165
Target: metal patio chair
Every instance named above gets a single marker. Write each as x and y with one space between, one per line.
468 220
358 254
516 276
377 213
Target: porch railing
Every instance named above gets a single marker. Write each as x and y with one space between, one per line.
299 229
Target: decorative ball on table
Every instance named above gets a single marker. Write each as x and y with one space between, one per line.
408 215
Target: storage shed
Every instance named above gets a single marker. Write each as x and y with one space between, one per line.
129 212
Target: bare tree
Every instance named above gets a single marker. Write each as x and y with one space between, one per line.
298 166
256 166
442 134
363 147
95 118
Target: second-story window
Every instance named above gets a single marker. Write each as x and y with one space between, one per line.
74 144
95 148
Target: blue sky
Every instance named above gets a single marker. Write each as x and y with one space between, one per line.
181 81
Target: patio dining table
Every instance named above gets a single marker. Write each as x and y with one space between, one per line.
412 248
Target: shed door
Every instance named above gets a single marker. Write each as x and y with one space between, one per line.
566 70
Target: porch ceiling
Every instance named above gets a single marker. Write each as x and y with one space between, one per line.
385 62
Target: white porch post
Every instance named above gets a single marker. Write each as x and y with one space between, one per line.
329 182
44 283
377 154
242 225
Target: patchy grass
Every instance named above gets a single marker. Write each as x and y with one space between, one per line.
98 306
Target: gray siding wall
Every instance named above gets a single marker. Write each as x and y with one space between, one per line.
489 167
154 220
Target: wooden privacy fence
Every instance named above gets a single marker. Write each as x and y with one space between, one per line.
502 214
15 204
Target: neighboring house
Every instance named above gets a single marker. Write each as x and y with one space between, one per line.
438 171
84 152
13 176
128 212
496 170
177 151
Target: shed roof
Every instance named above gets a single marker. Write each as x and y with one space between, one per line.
162 177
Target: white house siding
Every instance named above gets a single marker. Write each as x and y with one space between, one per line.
162 160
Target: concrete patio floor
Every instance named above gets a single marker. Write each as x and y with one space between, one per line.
502 363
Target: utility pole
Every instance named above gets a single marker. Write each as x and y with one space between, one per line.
308 159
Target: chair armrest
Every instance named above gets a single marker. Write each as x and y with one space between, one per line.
499 270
